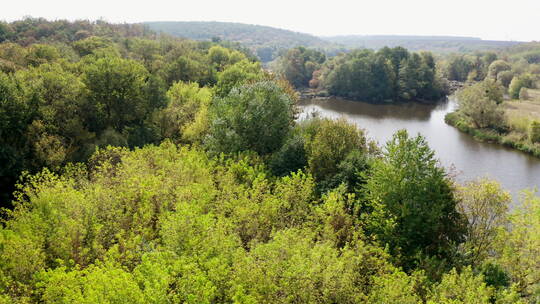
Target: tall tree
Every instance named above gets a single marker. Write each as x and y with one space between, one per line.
254 117
116 92
414 209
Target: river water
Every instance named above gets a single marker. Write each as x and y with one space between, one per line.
455 150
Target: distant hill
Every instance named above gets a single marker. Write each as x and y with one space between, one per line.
266 42
529 51
436 44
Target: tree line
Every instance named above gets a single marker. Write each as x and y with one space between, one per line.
390 74
62 100
499 101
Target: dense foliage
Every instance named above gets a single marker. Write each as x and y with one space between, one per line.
38 30
299 64
78 86
470 67
170 224
388 74
491 78
504 66
435 44
266 42
171 171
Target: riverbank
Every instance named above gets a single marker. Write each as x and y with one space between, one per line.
513 139
315 93
464 156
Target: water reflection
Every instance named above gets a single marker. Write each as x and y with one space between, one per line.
514 169
401 111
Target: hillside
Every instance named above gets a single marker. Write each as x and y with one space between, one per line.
528 51
438 44
264 41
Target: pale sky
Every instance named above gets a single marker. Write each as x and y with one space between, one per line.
487 19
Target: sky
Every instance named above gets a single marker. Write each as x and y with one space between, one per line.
487 19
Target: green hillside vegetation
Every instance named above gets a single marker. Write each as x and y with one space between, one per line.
266 42
436 44
161 170
527 51
66 94
38 30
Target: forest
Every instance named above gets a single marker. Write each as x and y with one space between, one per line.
154 169
388 75
267 43
435 44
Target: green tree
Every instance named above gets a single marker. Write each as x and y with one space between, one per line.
505 77
116 93
519 82
42 53
192 68
460 288
396 287
185 116
409 78
96 284
291 157
94 45
255 117
519 247
58 131
15 115
389 74
414 208
145 50
294 268
330 146
238 74
222 57
458 68
485 205
478 104
497 67
298 65
534 131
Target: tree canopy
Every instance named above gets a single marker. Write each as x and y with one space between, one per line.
388 74
160 170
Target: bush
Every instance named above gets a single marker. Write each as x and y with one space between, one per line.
479 104
329 143
519 82
523 94
534 131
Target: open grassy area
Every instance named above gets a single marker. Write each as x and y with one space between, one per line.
518 115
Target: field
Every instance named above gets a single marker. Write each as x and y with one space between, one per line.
520 113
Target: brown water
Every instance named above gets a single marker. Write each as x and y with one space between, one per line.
456 151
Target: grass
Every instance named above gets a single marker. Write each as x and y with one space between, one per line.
514 138
518 115
534 94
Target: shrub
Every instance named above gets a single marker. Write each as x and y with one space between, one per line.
523 94
534 131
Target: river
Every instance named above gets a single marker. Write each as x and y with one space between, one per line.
456 151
